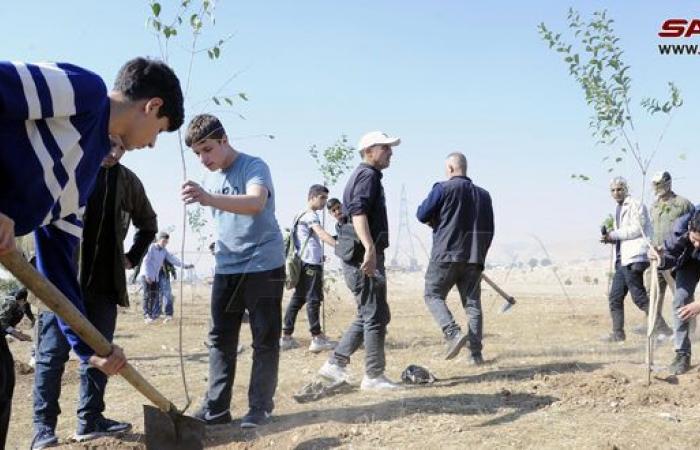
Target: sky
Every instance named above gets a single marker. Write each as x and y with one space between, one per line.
443 76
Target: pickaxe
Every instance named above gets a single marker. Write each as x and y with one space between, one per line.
510 301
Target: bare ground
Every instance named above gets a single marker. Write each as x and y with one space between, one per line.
549 382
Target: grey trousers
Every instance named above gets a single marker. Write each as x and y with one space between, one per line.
440 278
369 325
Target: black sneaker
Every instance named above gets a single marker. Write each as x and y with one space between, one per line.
100 427
475 359
44 438
207 417
680 364
455 344
255 418
614 337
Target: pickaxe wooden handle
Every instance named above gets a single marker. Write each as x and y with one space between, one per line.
510 301
58 303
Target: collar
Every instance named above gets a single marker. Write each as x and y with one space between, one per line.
369 166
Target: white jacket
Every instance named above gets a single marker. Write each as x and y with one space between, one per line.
633 219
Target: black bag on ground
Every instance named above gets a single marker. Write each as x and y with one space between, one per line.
417 375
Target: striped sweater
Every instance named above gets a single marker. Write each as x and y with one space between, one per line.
54 120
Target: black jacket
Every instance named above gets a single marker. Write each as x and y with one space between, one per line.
461 216
678 250
130 205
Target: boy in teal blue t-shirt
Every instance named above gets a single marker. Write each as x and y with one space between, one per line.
249 271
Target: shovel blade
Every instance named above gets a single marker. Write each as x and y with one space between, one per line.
172 431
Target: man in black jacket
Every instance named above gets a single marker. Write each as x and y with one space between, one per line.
681 252
461 216
117 199
364 205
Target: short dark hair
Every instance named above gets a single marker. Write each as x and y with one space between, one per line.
694 224
332 203
317 189
143 78
203 126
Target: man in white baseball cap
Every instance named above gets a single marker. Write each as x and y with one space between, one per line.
376 138
364 206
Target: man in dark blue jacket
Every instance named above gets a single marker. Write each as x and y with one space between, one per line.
461 216
682 253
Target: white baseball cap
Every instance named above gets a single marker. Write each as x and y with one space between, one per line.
376 138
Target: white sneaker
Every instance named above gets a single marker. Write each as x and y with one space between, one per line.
377 384
148 321
321 343
333 372
167 319
288 343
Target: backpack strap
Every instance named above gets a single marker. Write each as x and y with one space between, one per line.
294 230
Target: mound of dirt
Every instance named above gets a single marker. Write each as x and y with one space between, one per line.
611 389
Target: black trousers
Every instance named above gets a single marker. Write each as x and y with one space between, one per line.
7 387
309 290
261 294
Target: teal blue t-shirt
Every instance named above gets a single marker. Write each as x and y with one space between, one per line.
244 243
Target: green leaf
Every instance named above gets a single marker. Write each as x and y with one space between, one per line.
216 51
228 100
243 96
216 100
155 7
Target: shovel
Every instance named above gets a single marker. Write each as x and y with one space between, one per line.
165 426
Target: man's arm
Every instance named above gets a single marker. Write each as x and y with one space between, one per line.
431 205
6 316
361 225
323 234
55 247
7 234
676 243
172 259
40 91
249 204
143 217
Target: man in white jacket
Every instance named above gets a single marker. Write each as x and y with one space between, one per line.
630 236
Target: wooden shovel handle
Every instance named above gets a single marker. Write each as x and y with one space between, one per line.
58 303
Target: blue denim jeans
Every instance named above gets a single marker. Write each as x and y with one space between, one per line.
165 295
51 355
440 278
687 278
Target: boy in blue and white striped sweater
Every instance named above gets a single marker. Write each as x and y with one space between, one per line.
56 124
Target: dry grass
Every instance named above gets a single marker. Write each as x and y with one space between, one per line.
549 383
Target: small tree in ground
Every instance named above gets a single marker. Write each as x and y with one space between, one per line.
595 61
332 162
